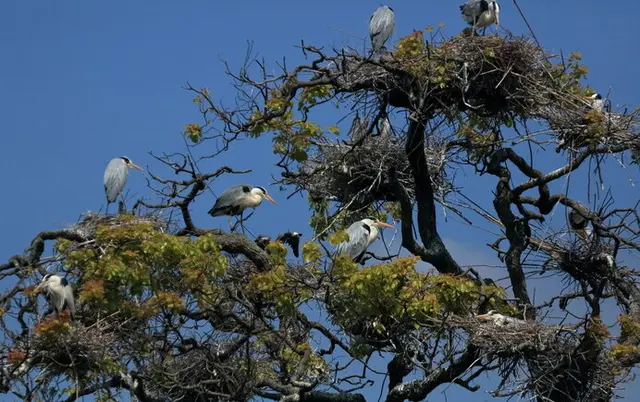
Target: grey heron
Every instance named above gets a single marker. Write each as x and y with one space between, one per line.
290 238
381 26
115 177
234 200
385 127
361 235
577 220
59 292
481 13
595 101
499 319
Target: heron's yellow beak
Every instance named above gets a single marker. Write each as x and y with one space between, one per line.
133 165
385 225
268 198
483 316
38 288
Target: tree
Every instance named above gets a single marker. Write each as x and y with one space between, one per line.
172 310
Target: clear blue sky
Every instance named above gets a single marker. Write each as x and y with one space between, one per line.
83 82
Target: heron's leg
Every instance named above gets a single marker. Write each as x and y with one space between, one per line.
106 211
230 223
484 30
242 222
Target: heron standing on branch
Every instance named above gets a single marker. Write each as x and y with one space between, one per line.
481 13
361 235
234 200
59 292
381 26
115 177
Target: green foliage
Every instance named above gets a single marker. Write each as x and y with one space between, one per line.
279 287
135 259
311 252
338 237
277 252
629 329
310 96
394 294
569 75
193 132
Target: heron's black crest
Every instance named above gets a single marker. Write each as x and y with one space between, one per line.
125 159
262 189
46 277
598 96
64 282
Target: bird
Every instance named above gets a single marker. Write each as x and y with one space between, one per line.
385 127
499 319
361 235
577 220
595 101
115 177
59 292
234 200
381 26
290 238
481 13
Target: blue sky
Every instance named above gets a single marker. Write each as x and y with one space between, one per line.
83 82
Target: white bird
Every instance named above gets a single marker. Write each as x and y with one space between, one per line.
381 26
234 200
290 238
577 222
595 101
115 177
59 292
499 319
385 127
481 13
361 235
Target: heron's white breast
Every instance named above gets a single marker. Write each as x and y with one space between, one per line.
486 18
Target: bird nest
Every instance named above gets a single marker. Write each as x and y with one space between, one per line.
355 177
489 75
90 222
524 338
63 347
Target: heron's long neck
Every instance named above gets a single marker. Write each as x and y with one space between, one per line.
373 235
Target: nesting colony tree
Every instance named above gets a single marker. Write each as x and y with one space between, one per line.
172 310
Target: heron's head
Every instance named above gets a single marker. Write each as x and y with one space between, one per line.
377 223
486 316
594 96
130 164
46 281
262 192
296 234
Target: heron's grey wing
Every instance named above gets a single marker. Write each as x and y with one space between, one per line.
115 177
357 243
228 198
471 10
68 299
381 26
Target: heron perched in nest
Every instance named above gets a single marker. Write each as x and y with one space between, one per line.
59 293
381 26
595 101
499 319
481 13
290 238
234 200
115 177
361 235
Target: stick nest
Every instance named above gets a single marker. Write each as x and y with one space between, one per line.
355 177
76 350
90 222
